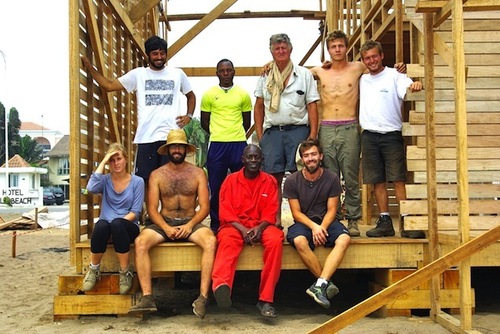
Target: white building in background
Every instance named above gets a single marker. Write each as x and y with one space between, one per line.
46 137
23 186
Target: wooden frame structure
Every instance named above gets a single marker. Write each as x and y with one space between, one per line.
452 156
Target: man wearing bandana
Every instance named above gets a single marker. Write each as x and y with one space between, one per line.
285 111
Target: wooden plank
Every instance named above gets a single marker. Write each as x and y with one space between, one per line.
486 190
447 118
473 71
421 299
392 253
473 141
449 207
451 165
450 223
444 153
4 224
199 27
443 177
92 304
386 277
450 129
487 94
390 293
476 106
141 9
108 285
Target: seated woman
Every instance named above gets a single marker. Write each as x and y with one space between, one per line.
122 199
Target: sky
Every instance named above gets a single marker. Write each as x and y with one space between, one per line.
34 50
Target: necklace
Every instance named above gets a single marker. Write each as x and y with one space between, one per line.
226 89
311 182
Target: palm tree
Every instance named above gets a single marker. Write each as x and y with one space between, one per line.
30 150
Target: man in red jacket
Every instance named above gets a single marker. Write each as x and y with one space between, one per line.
247 213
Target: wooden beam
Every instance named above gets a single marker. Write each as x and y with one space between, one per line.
75 64
438 6
210 71
430 133
390 293
199 27
311 50
305 14
186 256
462 159
123 17
141 9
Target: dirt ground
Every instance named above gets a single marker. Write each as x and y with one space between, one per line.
29 283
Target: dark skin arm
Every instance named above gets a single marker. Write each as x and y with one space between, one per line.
251 235
205 121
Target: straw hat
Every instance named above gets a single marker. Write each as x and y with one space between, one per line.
177 136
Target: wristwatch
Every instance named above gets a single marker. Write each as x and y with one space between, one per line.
190 116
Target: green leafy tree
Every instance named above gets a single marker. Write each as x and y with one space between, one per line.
30 150
12 131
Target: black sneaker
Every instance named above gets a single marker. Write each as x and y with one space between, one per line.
384 228
318 293
331 290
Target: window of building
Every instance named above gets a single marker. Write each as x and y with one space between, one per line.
14 180
63 166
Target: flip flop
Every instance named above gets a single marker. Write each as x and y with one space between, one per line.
266 309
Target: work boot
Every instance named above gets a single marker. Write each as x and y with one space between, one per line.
384 228
147 304
126 278
200 306
90 279
331 290
352 227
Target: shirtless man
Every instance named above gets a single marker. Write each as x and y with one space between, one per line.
180 187
339 130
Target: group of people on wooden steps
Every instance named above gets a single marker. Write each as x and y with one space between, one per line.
243 193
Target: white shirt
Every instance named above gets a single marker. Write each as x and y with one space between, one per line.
380 100
159 100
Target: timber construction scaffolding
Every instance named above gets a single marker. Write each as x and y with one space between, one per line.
451 126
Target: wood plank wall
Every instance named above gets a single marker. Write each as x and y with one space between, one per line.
104 32
482 56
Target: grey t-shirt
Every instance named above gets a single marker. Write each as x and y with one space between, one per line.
312 196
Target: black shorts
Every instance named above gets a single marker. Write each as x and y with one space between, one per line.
383 157
147 159
335 229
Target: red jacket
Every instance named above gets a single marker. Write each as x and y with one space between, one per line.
248 202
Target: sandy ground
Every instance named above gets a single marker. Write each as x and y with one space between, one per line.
29 283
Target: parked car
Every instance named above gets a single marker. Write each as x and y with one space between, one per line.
58 194
48 198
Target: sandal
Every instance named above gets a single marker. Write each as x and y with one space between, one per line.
266 309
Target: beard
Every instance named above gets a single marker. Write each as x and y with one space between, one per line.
157 67
312 168
176 160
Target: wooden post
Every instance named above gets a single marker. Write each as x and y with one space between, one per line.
14 239
462 159
430 135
